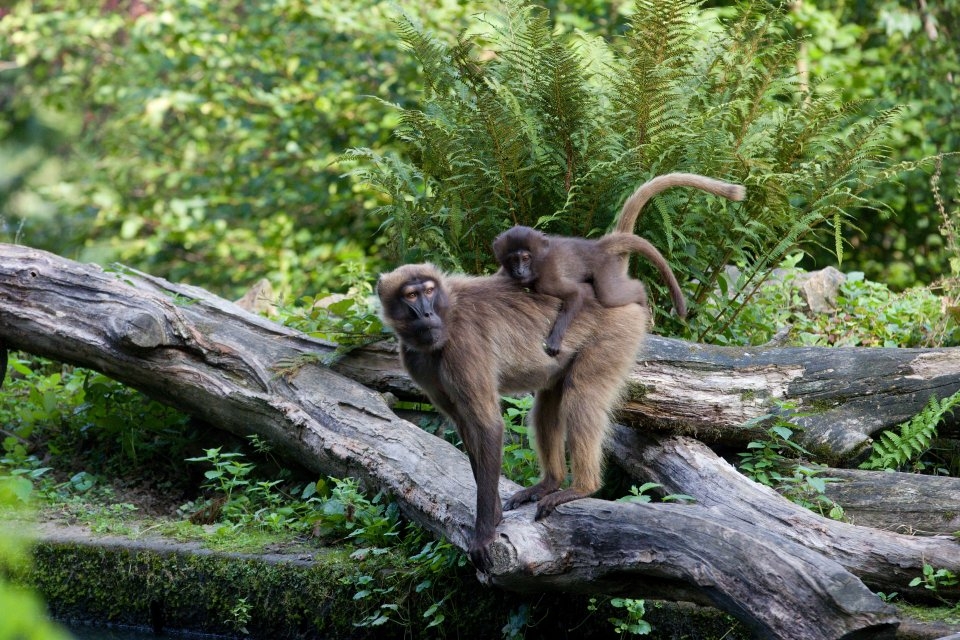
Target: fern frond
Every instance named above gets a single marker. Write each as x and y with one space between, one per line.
521 123
429 51
892 450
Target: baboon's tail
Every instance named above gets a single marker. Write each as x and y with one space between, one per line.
633 205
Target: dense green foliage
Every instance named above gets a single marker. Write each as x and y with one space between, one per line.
864 314
523 124
195 139
24 616
886 54
199 136
97 439
204 141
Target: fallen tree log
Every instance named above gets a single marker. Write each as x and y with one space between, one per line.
844 395
233 369
908 503
884 560
902 502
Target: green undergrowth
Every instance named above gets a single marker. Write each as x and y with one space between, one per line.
778 461
912 446
863 314
234 595
944 614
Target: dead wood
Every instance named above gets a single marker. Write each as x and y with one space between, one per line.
247 375
843 395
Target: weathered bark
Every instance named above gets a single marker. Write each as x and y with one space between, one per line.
239 372
843 395
884 560
902 502
848 393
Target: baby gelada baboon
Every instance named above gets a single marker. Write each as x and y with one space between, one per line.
576 269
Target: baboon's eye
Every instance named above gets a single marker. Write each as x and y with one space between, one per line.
410 295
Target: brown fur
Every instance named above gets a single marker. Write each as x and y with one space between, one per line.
577 269
466 340
478 337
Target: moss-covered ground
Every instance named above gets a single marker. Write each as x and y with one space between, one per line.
295 590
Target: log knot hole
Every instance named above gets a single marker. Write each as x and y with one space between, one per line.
140 330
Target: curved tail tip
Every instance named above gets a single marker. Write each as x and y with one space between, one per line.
737 192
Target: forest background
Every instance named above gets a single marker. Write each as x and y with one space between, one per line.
201 141
218 143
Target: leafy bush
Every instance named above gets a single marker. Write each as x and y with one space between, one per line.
866 314
778 462
350 320
201 134
525 125
885 54
70 412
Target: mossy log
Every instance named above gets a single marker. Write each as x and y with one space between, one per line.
247 375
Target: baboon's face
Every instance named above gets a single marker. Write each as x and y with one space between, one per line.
519 250
416 311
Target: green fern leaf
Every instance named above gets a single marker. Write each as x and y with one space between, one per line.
893 450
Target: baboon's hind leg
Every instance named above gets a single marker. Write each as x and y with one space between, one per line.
619 290
588 394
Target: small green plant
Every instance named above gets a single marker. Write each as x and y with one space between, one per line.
774 462
640 495
419 573
348 514
770 461
519 458
240 615
898 450
228 476
934 580
633 622
350 320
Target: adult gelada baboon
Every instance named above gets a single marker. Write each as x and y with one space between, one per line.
466 340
